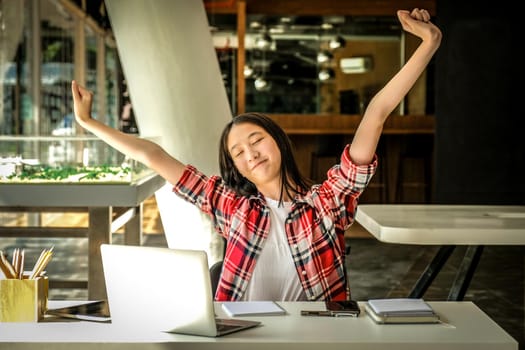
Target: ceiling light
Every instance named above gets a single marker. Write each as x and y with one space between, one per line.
263 42
325 74
255 25
337 42
324 56
277 29
248 71
261 84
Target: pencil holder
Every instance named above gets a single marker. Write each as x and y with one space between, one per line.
23 300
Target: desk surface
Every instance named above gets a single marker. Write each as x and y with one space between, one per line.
444 224
465 327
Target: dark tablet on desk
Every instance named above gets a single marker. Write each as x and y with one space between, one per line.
96 311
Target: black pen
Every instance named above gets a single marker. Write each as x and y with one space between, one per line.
315 313
327 313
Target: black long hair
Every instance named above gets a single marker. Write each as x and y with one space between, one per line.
293 182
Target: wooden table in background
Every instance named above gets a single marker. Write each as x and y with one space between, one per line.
110 207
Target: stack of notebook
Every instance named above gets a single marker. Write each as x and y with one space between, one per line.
401 310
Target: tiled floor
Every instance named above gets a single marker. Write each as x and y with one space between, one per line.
387 270
376 270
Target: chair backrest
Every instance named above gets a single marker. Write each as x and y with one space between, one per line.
215 275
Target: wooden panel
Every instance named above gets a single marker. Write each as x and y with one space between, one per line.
337 7
303 130
319 124
221 6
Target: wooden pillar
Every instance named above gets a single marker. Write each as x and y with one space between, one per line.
241 56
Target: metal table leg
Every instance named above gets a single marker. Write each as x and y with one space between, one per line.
466 271
431 271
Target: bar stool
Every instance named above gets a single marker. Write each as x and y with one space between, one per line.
414 172
326 154
319 165
324 158
377 190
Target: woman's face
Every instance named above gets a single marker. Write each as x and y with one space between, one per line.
255 154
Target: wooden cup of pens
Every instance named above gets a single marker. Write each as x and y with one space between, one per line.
23 294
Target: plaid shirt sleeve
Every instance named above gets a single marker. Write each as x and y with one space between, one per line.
338 195
241 220
209 194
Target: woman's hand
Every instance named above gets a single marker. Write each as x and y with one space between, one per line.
417 22
82 100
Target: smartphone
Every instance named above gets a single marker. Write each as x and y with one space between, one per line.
336 309
343 308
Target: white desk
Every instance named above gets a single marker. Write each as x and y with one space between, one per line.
446 225
467 327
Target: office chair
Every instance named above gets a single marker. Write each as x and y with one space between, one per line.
215 275
216 269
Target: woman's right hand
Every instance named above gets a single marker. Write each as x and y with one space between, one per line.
417 22
82 100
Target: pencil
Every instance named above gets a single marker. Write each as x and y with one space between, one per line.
41 264
21 264
6 267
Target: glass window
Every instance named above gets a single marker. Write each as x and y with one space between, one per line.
112 89
91 69
311 64
38 59
15 104
57 30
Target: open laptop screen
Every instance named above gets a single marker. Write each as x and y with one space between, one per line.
160 288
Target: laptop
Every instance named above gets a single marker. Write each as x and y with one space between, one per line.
163 289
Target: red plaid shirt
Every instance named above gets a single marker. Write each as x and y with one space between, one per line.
315 227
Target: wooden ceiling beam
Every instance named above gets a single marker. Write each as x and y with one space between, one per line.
221 6
325 7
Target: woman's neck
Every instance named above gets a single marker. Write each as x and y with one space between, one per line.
274 192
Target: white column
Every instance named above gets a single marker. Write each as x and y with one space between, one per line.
177 93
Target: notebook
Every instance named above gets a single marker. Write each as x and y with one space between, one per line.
163 289
252 308
401 310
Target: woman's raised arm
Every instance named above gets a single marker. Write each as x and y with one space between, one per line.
367 135
144 151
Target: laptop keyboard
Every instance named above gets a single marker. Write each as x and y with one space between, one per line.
225 324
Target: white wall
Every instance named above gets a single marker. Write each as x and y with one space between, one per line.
177 93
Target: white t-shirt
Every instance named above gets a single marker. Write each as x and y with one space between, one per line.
275 275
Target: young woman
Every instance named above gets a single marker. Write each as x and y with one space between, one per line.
285 238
